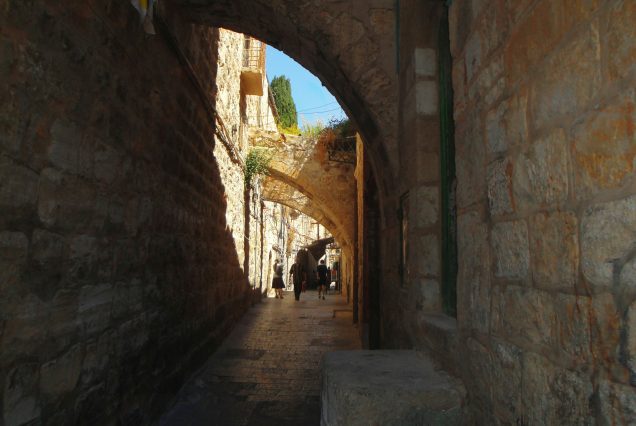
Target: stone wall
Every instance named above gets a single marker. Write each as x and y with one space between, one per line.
119 272
410 292
544 104
241 115
260 113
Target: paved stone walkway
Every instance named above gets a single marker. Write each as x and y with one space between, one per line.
267 372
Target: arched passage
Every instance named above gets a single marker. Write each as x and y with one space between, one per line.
351 48
120 267
301 165
280 192
125 247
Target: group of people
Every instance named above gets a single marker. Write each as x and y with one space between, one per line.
299 279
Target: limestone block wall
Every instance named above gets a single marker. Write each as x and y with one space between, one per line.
260 114
240 113
274 242
229 100
546 152
118 272
410 287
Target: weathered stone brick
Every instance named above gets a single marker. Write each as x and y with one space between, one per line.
424 206
510 249
62 326
60 376
13 258
478 376
133 334
470 166
555 250
617 403
459 85
427 295
23 331
47 247
460 24
109 164
496 129
627 276
424 255
82 246
604 316
21 401
541 30
541 173
65 202
552 395
427 166
558 324
630 328
605 148
18 187
426 97
14 118
128 299
500 187
488 81
65 145
425 61
473 56
569 81
477 6
524 315
620 39
96 356
473 304
608 231
506 125
517 8
507 380
94 307
493 26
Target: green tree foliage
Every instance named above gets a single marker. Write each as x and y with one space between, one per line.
256 164
281 88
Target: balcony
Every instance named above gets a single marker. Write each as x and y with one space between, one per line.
253 67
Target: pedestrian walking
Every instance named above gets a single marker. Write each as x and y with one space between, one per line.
277 281
322 279
297 272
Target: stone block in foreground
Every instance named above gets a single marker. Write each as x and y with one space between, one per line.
388 387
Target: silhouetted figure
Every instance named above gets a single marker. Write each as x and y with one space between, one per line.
298 278
322 279
277 281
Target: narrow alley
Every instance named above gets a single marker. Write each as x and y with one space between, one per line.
267 372
470 195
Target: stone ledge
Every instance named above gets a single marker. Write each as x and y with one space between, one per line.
440 338
388 387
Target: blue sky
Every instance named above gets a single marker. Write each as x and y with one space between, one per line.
313 100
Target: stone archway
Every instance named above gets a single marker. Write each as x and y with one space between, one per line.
283 193
301 174
116 193
350 46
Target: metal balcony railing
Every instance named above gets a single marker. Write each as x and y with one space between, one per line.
253 54
343 150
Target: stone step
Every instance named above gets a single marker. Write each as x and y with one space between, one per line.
388 387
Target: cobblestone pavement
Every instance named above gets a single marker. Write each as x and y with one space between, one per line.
267 372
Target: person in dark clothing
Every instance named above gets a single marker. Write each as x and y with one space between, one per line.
322 279
277 282
298 277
